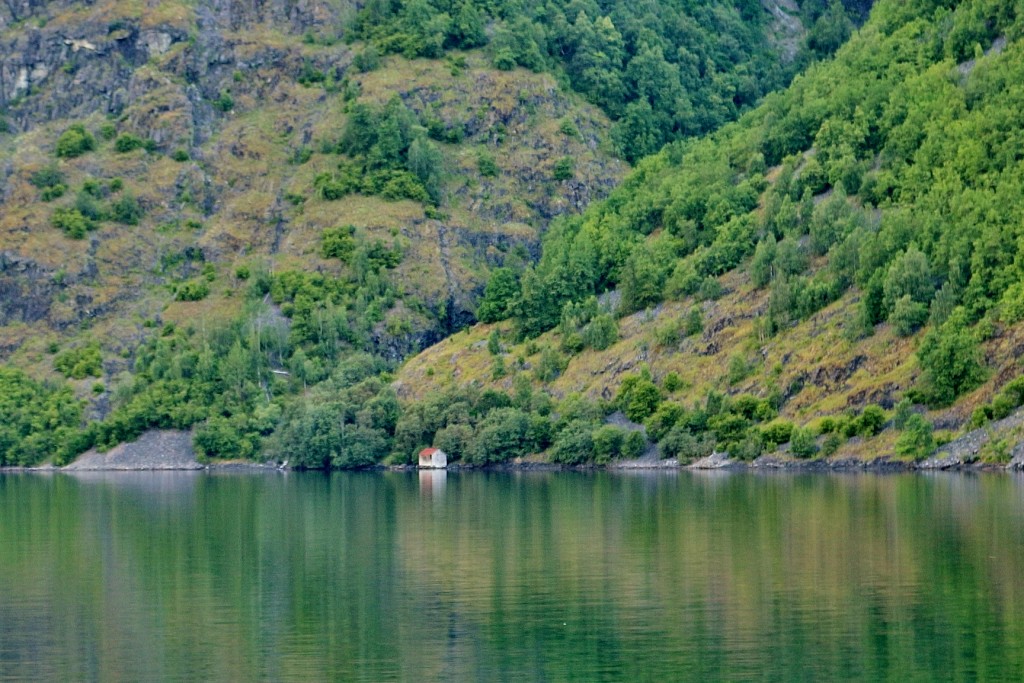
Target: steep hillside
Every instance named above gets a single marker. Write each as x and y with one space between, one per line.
207 206
247 195
837 273
662 70
237 95
215 122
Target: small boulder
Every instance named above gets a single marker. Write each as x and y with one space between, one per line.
715 461
941 461
1017 457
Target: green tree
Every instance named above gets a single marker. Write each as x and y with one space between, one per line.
574 444
74 142
392 140
361 447
871 421
427 163
908 316
360 134
338 242
72 222
916 440
49 176
694 321
550 365
494 342
790 257
608 442
651 78
682 444
638 397
499 294
127 210
367 60
455 440
487 166
762 267
639 133
642 281
519 43
673 382
37 421
565 169
634 445
467 27
776 433
502 435
951 361
664 419
802 443
219 437
601 332
830 31
909 274
80 363
128 142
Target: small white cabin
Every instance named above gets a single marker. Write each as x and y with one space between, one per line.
433 459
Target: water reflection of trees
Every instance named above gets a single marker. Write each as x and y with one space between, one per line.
550 575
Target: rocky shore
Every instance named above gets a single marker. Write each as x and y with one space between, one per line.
154 450
157 450
722 462
169 450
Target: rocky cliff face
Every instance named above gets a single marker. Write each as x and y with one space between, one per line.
216 85
67 60
25 290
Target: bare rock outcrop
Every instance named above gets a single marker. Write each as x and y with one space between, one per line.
154 450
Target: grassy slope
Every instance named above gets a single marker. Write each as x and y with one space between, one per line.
817 367
235 189
167 70
834 372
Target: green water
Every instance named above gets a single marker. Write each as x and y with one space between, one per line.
520 576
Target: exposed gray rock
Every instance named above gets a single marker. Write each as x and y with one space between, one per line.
774 462
715 461
882 464
646 463
942 461
26 290
967 448
154 450
998 45
178 78
1017 461
155 43
619 419
53 70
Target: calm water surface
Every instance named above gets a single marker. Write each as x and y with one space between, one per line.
521 576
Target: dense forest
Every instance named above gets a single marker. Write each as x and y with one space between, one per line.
203 249
663 70
890 170
883 180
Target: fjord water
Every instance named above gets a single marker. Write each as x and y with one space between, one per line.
511 576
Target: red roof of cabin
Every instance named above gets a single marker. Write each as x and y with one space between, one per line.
427 451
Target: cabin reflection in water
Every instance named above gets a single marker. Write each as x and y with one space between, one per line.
432 483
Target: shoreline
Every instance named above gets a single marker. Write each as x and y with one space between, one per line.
172 451
231 466
882 465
